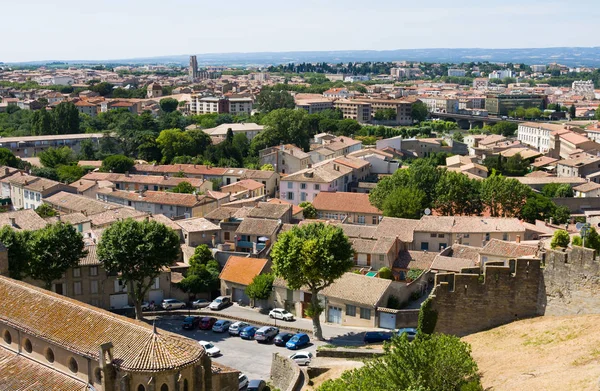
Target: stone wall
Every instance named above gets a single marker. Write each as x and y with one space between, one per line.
468 303
572 280
285 374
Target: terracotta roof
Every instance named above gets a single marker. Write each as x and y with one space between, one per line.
31 182
464 251
248 184
460 224
241 270
249 226
25 219
158 180
137 348
266 210
295 208
451 264
110 216
191 169
197 224
403 229
359 231
508 249
158 197
77 203
19 373
344 202
587 187
70 218
225 212
414 260
91 259
358 289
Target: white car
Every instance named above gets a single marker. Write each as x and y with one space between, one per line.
210 349
280 313
172 304
302 358
243 381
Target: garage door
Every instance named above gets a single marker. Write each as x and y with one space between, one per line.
119 300
155 296
387 321
239 294
334 315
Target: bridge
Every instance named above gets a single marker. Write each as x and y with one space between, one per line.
466 121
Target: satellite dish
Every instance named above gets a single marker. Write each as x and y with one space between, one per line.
578 226
427 211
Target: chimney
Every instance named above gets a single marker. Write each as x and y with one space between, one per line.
518 238
126 173
6 170
13 221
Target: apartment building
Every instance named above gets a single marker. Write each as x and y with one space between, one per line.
212 104
29 146
351 208
403 108
337 93
565 142
436 104
314 105
285 159
537 134
580 166
502 104
356 110
88 108
454 72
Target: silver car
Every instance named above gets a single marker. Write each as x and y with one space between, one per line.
236 327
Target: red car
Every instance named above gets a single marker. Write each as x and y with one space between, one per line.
207 323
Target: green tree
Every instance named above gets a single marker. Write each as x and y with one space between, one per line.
458 136
45 172
385 114
312 256
203 273
457 194
515 166
560 238
597 114
503 197
267 167
52 250
41 122
117 164
429 363
17 244
283 126
572 112
269 100
102 88
176 142
45 210
261 287
65 118
7 158
309 211
347 127
138 251
405 202
555 190
87 151
386 273
183 187
54 157
70 173
168 105
539 207
419 111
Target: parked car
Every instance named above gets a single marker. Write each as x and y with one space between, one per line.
200 303
280 313
410 332
282 338
210 349
243 381
302 358
172 304
145 306
190 322
207 323
266 334
376 337
236 327
256 385
248 332
297 341
219 303
221 326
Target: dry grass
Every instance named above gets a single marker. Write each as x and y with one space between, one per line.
545 353
336 368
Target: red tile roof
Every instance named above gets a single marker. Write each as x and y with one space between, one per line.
344 202
241 270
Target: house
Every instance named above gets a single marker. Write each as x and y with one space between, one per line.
69 203
410 260
374 254
589 189
110 216
250 130
253 235
26 220
354 208
580 166
245 188
29 192
198 230
27 146
116 353
382 163
90 188
159 202
502 251
228 219
297 212
455 258
238 273
336 147
285 159
472 170
188 170
79 221
274 211
132 182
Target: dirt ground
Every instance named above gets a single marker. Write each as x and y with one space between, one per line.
546 353
336 365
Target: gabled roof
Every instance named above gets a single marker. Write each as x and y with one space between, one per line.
197 224
403 229
25 219
266 227
414 260
241 270
451 264
77 203
508 249
268 210
344 202
137 348
358 289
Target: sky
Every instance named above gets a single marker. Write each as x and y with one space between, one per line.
120 29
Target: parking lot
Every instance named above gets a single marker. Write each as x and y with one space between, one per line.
249 357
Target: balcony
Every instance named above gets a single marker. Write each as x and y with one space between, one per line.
249 245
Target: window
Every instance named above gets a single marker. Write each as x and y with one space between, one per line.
290 196
164 387
381 258
290 185
365 313
227 235
26 194
7 337
49 355
424 246
466 235
487 236
141 388
505 236
93 270
155 284
303 185
73 367
93 287
433 235
302 196
37 197
350 310
361 219
27 345
441 235
374 220
77 272
77 288
317 186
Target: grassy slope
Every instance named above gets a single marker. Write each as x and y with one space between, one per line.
545 353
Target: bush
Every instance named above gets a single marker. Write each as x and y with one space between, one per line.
560 238
427 317
413 274
394 303
386 273
117 163
261 287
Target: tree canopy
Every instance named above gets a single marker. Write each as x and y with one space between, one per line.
54 157
168 105
117 164
138 251
261 287
183 187
560 238
313 256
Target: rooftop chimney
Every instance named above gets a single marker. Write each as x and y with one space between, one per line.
13 222
518 238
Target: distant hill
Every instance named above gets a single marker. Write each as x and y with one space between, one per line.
571 56
546 353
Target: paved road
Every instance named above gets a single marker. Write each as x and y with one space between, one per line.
249 357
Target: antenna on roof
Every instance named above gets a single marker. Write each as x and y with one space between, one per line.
427 211
154 327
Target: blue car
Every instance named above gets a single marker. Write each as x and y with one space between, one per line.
376 337
410 332
297 341
248 332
